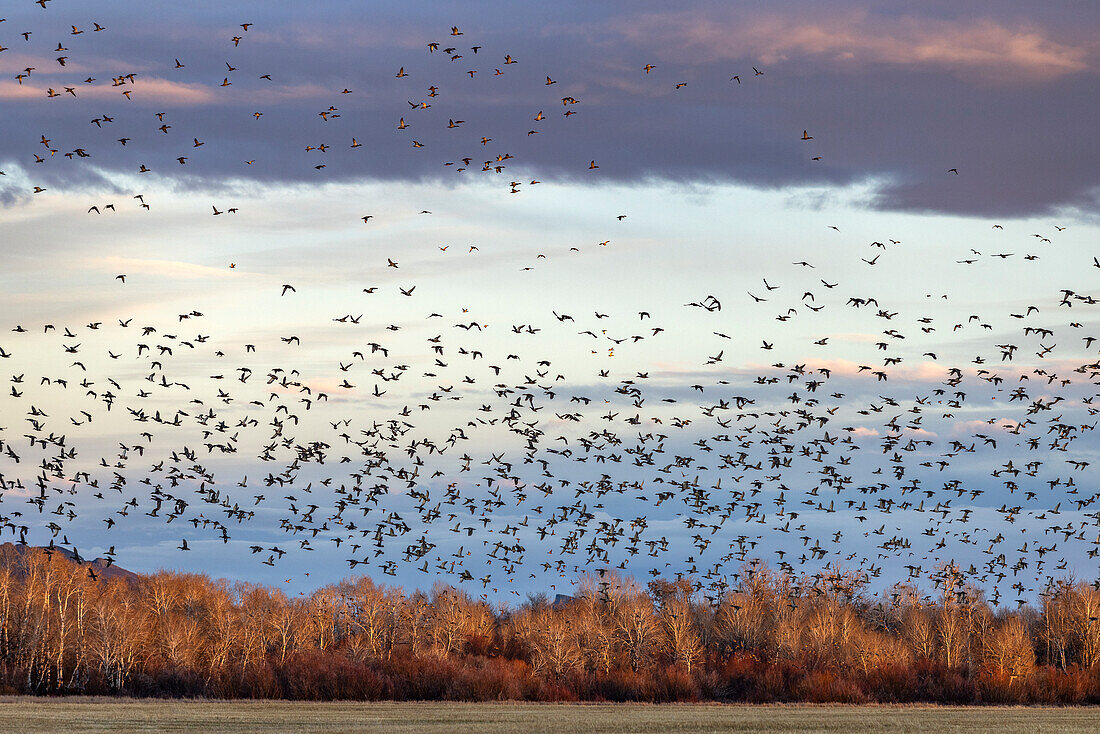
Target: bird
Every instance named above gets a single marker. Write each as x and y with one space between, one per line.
568 420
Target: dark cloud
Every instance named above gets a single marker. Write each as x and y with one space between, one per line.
901 111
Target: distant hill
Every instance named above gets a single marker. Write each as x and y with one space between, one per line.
99 565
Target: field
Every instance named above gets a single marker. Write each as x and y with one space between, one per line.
71 715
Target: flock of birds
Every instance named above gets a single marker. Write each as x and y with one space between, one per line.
491 467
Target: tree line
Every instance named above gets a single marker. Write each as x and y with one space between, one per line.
775 638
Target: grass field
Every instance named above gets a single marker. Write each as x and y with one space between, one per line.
19 714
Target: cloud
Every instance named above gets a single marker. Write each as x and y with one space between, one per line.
167 268
925 371
855 40
857 337
973 426
150 89
163 92
937 89
12 90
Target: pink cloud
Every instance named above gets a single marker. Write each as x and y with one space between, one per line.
328 386
974 426
861 432
168 268
857 337
982 48
161 91
924 371
148 90
12 90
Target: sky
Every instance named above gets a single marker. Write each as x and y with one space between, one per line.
588 163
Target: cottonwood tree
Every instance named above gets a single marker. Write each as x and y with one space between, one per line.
553 641
1008 650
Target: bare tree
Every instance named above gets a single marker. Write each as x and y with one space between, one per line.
1008 649
680 634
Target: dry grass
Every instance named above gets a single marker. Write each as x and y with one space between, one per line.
113 715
